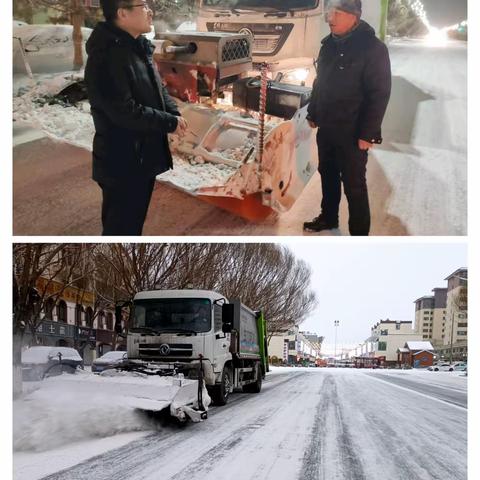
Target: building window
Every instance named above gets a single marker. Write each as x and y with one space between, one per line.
383 332
101 320
397 327
382 346
78 315
462 333
109 321
49 306
62 311
462 325
89 317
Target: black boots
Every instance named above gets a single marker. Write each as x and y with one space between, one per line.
318 224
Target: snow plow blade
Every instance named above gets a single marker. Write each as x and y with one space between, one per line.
138 391
217 161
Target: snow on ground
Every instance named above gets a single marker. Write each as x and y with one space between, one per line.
36 465
424 156
310 423
74 124
423 160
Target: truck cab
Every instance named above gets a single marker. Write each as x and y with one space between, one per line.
286 33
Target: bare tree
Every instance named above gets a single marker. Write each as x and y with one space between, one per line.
73 11
41 274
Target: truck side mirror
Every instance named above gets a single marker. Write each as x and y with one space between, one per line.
118 319
228 310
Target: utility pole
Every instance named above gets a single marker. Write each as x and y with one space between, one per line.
336 323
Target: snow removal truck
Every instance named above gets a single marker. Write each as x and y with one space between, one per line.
199 338
185 348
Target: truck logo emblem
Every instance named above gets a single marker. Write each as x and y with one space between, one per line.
164 349
246 31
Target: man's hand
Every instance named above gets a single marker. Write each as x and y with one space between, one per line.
364 145
181 127
311 123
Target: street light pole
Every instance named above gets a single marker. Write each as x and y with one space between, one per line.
336 323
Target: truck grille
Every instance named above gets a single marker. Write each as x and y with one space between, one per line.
268 38
152 350
236 49
265 44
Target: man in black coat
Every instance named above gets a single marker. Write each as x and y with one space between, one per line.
132 113
349 99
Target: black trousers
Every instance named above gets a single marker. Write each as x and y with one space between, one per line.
125 206
341 161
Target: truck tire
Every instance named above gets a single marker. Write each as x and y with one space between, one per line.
220 392
257 385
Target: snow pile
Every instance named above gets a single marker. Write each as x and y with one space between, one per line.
189 174
33 105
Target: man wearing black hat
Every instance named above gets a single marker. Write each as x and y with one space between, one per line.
132 113
349 99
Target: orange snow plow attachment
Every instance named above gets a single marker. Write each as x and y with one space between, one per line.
217 161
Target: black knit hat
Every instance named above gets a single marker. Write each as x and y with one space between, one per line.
350 6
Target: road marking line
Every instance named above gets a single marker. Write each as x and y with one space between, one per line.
418 393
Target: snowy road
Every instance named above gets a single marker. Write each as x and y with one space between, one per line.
307 424
417 179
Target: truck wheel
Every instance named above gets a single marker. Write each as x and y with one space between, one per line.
221 392
257 385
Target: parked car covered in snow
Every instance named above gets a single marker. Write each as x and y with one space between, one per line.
460 366
48 48
441 367
38 362
109 360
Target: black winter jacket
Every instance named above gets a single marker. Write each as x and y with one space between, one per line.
353 84
131 109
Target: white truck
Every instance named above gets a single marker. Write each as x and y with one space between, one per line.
286 33
185 348
192 330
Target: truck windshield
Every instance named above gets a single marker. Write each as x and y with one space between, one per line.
262 5
191 315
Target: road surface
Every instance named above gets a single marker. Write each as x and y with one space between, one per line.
417 178
307 424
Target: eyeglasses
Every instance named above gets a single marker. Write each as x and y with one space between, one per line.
144 5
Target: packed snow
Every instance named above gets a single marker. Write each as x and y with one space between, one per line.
306 423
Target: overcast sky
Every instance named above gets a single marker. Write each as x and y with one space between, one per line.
443 13
359 284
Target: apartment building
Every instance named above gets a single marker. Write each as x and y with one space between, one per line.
456 318
430 312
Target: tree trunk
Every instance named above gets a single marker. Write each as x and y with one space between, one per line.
17 365
78 19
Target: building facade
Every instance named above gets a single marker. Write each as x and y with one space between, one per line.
294 348
387 336
430 312
73 320
455 342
